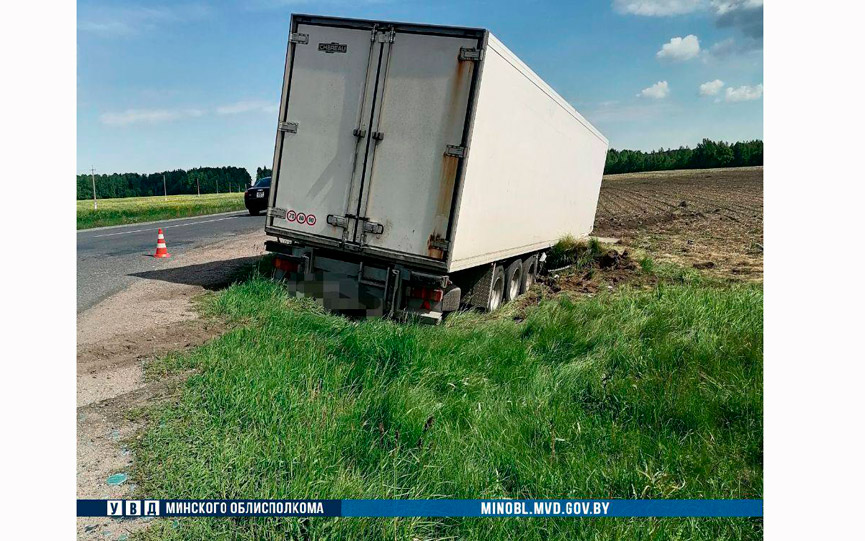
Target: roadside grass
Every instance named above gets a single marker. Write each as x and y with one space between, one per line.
627 394
130 210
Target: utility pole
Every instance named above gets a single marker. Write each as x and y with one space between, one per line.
164 189
197 186
217 186
93 180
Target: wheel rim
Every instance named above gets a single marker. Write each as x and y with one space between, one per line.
529 280
514 288
498 289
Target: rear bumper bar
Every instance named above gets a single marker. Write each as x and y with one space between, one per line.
388 256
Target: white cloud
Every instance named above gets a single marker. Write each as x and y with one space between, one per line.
158 116
680 49
744 15
722 7
248 106
657 91
110 21
711 88
744 93
657 8
614 112
147 116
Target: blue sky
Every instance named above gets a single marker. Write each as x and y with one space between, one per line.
184 84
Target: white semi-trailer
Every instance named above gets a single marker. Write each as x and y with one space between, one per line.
418 168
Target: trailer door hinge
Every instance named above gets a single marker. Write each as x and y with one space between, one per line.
297 37
454 150
469 53
372 227
276 212
337 221
385 36
377 135
358 132
439 243
288 127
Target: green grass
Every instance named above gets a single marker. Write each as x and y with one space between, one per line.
571 251
130 210
631 394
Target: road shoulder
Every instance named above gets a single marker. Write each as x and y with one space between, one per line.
116 337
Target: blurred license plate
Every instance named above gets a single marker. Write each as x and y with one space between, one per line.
259 195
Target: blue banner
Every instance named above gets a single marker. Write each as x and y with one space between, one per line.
420 508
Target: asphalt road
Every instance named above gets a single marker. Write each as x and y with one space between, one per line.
108 257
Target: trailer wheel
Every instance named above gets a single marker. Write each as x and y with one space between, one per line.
497 289
530 272
513 280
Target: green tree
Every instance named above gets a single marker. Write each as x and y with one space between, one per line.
706 155
262 172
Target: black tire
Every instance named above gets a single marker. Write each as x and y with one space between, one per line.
254 212
497 289
530 272
513 280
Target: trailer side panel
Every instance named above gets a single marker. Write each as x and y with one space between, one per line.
533 170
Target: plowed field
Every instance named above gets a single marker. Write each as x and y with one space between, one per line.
709 219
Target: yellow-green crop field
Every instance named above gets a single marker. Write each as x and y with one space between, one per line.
130 210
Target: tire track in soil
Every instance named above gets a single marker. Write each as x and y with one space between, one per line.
631 207
709 203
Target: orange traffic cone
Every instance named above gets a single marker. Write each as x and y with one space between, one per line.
161 249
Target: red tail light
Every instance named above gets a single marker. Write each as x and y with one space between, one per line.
426 294
285 265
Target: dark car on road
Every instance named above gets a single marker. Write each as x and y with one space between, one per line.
257 196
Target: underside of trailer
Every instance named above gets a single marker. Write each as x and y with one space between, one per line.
368 287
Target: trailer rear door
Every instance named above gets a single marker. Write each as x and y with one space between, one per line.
320 148
372 136
421 119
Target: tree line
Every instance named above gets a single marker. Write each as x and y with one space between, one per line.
205 180
262 172
706 155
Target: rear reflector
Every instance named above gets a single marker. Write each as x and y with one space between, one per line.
426 294
285 265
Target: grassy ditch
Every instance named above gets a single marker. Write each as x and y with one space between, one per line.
628 394
130 210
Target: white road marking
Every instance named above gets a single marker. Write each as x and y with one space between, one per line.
166 227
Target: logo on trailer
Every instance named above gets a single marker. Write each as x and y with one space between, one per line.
333 47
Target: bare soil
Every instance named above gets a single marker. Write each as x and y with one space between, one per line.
707 219
155 315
